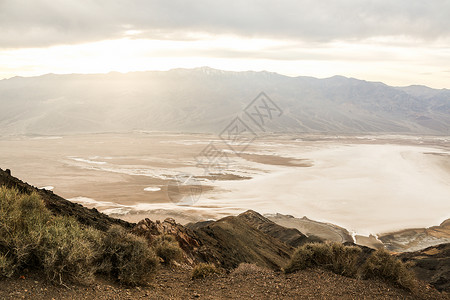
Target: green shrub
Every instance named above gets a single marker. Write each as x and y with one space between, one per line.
203 270
30 237
167 248
381 264
127 257
22 222
68 251
335 257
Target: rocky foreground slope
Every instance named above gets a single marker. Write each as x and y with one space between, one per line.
228 242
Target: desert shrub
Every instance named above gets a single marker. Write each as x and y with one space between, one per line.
203 270
68 251
31 237
247 269
127 257
22 221
335 257
381 264
6 266
167 248
345 259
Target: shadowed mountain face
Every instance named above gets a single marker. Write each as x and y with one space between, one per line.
431 265
233 240
205 100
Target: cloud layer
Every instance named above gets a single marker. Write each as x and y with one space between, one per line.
41 23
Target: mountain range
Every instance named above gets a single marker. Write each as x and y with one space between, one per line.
206 100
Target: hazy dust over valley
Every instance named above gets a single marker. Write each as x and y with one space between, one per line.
218 149
367 184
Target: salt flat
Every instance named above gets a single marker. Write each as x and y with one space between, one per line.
365 188
367 184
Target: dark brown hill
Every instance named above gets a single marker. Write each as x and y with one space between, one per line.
431 265
290 236
61 206
232 240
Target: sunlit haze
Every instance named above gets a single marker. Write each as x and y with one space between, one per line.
399 44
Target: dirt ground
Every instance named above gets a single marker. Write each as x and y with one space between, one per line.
176 283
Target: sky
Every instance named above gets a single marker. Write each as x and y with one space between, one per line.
398 42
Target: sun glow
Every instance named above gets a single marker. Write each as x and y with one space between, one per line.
370 60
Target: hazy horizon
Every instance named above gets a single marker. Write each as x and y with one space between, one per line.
225 70
400 43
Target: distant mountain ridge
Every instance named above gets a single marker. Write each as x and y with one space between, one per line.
206 100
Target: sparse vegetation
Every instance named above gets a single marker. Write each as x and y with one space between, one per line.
22 223
335 257
167 248
127 257
203 270
381 264
67 251
31 237
343 260
247 269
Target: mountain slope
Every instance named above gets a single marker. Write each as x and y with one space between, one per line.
60 206
206 100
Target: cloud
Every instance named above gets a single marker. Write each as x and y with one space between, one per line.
41 23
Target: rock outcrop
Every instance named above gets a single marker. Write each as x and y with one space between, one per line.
187 240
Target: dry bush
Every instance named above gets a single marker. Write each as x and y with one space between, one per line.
167 248
127 257
31 237
22 222
6 266
381 264
203 270
68 251
345 259
335 257
247 269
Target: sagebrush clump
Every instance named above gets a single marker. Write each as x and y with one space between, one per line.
247 269
167 248
381 264
30 237
335 257
203 270
127 257
343 260
68 250
65 250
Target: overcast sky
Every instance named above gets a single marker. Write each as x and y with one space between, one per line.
398 42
